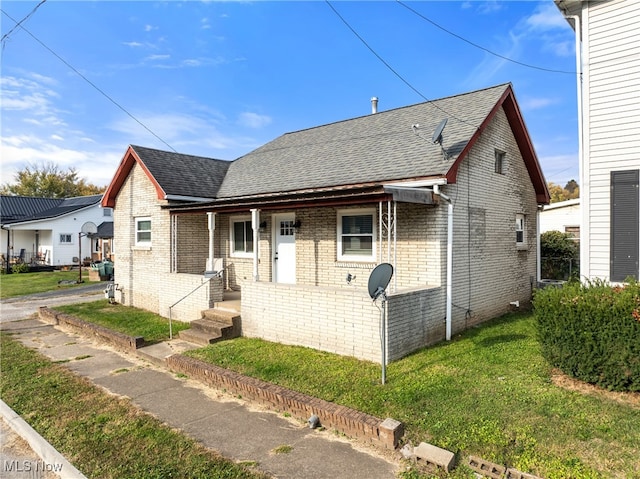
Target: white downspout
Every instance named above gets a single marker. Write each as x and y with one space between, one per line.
211 221
582 167
538 253
255 225
436 190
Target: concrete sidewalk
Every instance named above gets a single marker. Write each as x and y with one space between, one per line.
226 424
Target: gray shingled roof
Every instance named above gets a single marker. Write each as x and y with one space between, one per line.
375 148
17 209
183 175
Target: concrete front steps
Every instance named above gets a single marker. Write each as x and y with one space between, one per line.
215 325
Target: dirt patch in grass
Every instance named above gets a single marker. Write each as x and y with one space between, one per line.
560 379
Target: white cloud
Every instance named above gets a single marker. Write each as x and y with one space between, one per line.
546 17
157 57
57 137
489 7
133 44
148 28
253 120
537 103
19 151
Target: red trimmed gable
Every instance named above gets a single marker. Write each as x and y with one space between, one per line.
512 111
130 158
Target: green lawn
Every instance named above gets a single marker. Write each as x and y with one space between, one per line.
487 393
21 284
102 435
126 320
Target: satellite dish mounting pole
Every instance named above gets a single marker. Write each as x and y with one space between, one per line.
383 334
378 282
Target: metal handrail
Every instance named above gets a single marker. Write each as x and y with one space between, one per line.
208 280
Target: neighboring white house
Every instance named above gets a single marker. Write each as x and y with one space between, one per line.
563 216
47 231
609 118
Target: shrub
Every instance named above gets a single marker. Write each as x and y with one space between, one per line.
20 268
592 332
560 255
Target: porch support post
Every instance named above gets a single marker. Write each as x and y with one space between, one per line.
380 205
255 225
395 245
211 220
389 231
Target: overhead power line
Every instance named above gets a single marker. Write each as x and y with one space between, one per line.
459 37
6 36
102 92
394 71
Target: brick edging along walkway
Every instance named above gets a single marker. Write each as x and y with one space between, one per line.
353 423
119 340
348 421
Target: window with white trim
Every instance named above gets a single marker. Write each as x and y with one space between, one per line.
241 236
143 231
521 238
356 235
107 211
66 238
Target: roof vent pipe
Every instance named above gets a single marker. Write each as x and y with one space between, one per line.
374 105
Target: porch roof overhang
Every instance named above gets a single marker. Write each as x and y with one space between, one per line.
335 196
348 195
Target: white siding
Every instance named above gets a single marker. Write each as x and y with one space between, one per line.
611 49
558 216
23 235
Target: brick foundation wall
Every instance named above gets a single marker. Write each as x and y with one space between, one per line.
342 320
119 340
338 320
353 423
416 319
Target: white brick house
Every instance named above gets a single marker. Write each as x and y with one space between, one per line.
608 58
296 217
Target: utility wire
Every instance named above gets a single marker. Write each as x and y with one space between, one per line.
5 37
480 46
394 71
90 82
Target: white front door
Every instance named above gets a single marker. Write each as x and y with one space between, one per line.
284 251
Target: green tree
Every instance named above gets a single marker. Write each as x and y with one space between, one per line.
569 192
47 180
559 255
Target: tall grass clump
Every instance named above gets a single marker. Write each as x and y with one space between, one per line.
591 331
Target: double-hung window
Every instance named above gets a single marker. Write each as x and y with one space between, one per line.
66 238
143 231
356 235
241 237
521 237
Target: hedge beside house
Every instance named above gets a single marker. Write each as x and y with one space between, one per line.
592 332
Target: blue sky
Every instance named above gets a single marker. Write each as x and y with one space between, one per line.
219 79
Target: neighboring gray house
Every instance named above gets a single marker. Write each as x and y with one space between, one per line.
297 226
608 59
45 231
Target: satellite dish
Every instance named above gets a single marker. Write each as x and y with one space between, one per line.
379 279
89 228
437 134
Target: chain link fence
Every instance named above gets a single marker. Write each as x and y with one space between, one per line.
562 269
